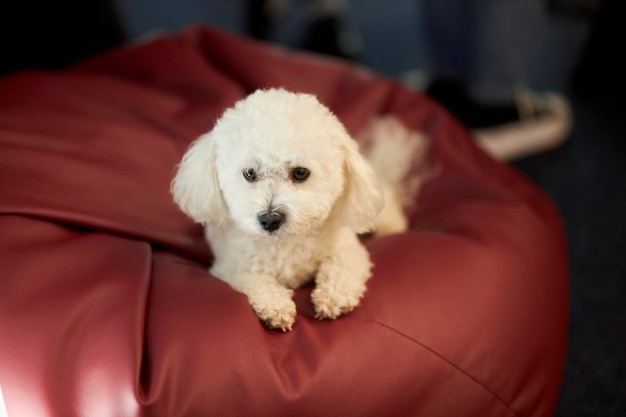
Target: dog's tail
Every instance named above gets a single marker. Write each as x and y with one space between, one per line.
398 156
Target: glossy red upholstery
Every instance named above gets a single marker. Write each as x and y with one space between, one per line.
107 308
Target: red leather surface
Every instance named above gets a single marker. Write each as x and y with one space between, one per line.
107 308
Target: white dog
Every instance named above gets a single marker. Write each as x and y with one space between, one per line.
283 192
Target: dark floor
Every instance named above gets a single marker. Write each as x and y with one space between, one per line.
586 178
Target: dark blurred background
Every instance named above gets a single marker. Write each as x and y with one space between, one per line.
580 55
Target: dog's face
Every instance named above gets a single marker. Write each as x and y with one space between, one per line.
281 178
278 164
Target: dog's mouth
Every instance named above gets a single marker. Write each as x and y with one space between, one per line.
278 222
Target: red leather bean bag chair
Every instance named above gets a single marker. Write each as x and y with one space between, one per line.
107 308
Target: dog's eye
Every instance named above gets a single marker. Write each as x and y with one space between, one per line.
249 174
300 174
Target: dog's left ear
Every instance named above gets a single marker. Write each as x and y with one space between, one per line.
362 199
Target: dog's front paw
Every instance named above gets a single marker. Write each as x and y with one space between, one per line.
330 305
276 313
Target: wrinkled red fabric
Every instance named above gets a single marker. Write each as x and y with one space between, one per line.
106 305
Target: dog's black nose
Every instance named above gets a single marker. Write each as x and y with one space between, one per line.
271 220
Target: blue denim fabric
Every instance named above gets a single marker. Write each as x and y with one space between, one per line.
485 43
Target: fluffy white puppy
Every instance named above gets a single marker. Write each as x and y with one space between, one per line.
283 192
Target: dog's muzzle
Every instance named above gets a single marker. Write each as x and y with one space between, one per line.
271 220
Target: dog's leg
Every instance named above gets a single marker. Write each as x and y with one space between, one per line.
341 278
271 301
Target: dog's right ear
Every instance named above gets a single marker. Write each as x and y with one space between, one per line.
196 187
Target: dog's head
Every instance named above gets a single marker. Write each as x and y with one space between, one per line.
278 164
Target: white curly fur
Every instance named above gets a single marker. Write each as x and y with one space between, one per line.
268 135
